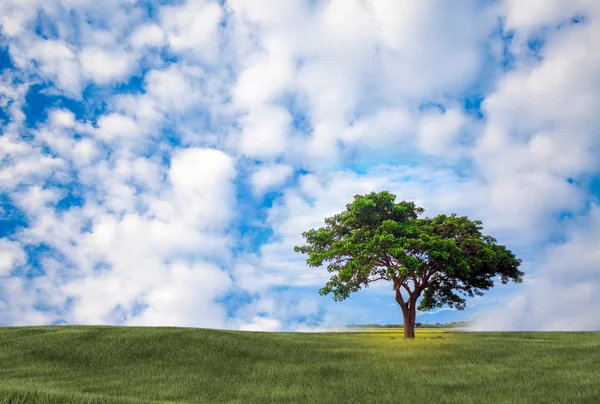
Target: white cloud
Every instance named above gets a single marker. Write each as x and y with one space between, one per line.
138 253
113 126
57 136
383 128
266 75
23 163
541 129
450 36
270 176
193 27
172 89
564 291
63 118
17 305
58 62
104 66
529 15
35 198
29 168
255 279
262 324
278 311
264 132
325 87
187 298
147 35
438 131
14 16
202 188
529 201
348 58
84 152
11 255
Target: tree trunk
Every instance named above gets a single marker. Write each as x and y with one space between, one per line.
409 314
408 311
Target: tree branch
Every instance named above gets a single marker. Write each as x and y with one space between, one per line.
374 280
428 274
437 277
399 298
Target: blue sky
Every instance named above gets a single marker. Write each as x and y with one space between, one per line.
159 160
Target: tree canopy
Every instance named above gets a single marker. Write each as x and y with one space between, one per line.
443 259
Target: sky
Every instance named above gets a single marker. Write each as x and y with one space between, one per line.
159 160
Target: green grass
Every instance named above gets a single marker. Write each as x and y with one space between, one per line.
146 365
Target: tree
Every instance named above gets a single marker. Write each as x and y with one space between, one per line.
440 260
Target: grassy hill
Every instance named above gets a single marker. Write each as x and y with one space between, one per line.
160 365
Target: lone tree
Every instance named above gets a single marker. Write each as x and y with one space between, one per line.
439 259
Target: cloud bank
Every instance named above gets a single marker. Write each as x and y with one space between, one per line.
160 161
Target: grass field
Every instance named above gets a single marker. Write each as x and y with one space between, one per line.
152 365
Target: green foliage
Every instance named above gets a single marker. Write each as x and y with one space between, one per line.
445 258
75 365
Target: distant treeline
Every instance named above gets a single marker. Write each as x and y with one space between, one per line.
454 324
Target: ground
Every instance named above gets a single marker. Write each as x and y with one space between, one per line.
67 364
